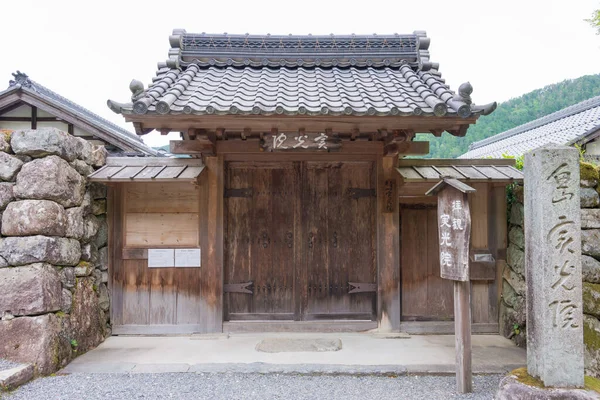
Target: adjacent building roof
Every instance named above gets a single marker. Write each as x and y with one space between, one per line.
24 89
424 170
387 75
576 124
148 169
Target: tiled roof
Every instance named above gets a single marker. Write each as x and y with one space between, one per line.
148 169
296 75
464 172
566 126
23 82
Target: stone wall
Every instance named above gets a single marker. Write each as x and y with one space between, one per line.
512 308
53 257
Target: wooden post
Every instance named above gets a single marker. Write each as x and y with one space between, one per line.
462 335
388 245
213 271
454 227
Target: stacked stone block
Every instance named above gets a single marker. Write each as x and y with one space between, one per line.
512 309
53 257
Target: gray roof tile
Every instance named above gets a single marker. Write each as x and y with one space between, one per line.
565 126
291 75
22 81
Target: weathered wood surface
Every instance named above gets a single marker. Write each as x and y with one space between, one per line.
454 226
260 240
162 230
339 124
462 336
300 141
163 300
212 287
339 235
388 250
488 208
425 295
290 236
115 209
480 212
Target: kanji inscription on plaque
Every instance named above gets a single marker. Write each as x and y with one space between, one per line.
454 228
300 141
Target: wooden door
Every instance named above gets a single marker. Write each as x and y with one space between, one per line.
425 295
338 241
261 205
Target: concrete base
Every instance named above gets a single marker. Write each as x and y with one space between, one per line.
297 345
511 388
14 377
360 352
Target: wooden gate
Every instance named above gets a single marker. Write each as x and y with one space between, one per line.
425 295
299 241
339 218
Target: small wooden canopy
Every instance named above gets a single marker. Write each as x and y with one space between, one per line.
455 183
501 171
148 169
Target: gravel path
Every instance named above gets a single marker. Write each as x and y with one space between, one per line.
248 386
5 364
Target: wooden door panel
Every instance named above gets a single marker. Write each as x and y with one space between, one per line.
340 249
425 295
260 241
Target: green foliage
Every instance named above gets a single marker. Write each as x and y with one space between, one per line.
581 152
518 160
74 343
515 112
595 21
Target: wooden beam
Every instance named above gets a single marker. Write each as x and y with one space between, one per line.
198 146
456 161
338 124
388 246
154 161
407 148
11 107
71 129
34 117
29 119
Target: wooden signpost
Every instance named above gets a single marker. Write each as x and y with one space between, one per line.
454 227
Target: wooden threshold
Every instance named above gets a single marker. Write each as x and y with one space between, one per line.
156 329
444 328
298 326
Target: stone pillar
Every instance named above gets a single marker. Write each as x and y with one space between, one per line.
553 266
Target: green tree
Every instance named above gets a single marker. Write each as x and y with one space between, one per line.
515 112
595 21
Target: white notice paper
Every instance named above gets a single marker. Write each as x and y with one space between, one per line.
187 257
161 258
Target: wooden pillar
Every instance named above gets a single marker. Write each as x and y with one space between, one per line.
462 336
33 117
115 214
388 245
212 285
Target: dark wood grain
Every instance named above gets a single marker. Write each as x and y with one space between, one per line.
388 250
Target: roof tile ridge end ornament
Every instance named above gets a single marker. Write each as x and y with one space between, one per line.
141 101
545 120
22 79
423 43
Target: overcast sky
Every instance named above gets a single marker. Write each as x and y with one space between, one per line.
89 51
